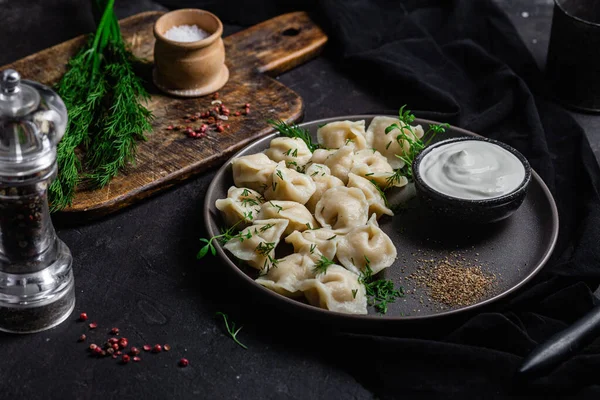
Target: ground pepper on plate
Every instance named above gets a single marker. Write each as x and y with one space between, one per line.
454 281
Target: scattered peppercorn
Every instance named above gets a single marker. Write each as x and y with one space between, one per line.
147 347
82 338
110 351
83 316
113 340
93 325
93 346
114 331
167 347
123 342
134 351
125 359
115 346
157 348
136 359
184 362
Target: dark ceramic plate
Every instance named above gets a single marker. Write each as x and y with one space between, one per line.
513 250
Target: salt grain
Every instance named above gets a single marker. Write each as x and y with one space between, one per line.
186 33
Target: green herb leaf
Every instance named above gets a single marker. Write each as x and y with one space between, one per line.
322 265
230 327
294 131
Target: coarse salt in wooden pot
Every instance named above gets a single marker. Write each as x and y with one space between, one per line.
189 69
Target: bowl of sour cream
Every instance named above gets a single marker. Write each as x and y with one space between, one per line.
472 179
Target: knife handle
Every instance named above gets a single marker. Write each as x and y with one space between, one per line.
561 347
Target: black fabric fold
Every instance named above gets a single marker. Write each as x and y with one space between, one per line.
465 60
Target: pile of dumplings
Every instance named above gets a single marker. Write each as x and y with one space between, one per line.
325 203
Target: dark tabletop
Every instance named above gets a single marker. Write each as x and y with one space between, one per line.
136 270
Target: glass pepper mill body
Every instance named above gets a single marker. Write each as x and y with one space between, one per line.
36 277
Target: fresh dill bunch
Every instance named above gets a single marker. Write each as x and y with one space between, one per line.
294 131
126 122
104 100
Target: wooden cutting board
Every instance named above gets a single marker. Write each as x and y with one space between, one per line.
169 157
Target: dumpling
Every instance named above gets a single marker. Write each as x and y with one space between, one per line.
366 244
287 184
337 134
293 151
336 290
372 165
241 204
321 175
340 163
300 219
289 274
320 155
256 244
342 208
253 171
389 144
322 240
374 195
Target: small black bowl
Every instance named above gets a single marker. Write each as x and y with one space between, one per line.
465 210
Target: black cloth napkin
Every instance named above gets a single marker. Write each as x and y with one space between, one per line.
463 62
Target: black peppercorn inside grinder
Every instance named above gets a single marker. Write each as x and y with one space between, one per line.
36 278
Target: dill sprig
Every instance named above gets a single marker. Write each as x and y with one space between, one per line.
294 131
225 236
322 265
106 117
230 327
380 292
415 145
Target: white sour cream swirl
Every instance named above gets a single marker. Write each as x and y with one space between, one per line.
472 170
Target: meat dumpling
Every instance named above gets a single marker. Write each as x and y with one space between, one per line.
290 273
341 162
321 175
372 165
322 240
335 135
336 290
320 155
341 209
293 151
253 171
374 195
241 204
300 219
366 244
288 184
391 144
256 243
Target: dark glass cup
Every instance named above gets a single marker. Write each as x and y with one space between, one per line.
573 64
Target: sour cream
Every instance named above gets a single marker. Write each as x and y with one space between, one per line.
472 170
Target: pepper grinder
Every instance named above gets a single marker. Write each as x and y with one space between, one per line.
36 277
